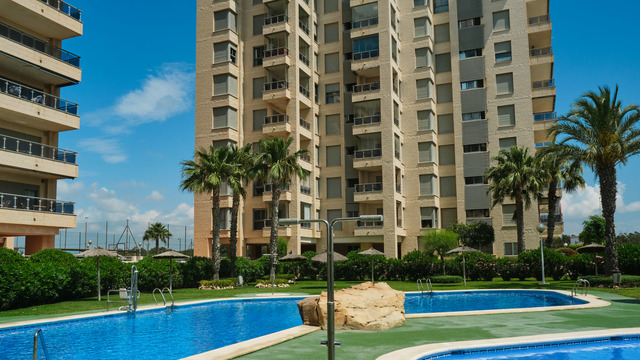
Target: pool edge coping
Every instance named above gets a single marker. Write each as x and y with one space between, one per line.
421 351
592 302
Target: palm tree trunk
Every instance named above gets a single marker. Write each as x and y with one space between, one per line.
551 220
157 245
608 192
444 269
234 233
215 246
273 240
520 221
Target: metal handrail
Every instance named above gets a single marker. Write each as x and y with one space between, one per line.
173 301
269 187
581 284
369 223
275 52
276 85
364 23
365 120
64 8
304 91
304 27
539 19
543 84
31 148
305 124
420 287
276 19
38 45
371 187
544 116
305 190
429 287
306 158
361 154
366 87
39 97
303 58
35 345
164 301
365 54
32 203
541 51
275 119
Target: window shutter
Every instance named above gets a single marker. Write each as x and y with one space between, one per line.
441 33
333 155
446 155
220 84
443 63
426 152
232 118
258 119
425 120
331 33
501 20
504 83
219 117
334 188
220 19
502 47
421 26
444 93
220 52
421 57
258 86
331 63
506 115
447 186
330 6
445 124
507 143
333 124
422 89
507 215
258 23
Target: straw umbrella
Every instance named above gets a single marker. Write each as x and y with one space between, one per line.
592 249
294 258
462 250
171 255
371 252
322 257
97 252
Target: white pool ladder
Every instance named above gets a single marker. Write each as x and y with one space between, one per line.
421 287
35 345
581 285
161 291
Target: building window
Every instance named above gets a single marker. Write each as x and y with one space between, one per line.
446 155
259 219
332 123
501 20
428 185
447 186
305 213
224 117
473 84
444 93
225 19
425 120
506 115
440 6
468 23
258 119
334 214
445 124
507 143
508 212
428 217
366 47
258 54
224 52
331 33
224 218
424 89
397 146
478 115
364 15
474 148
441 33
331 63
477 213
258 23
317 155
443 63
258 87
417 3
333 155
423 57
330 6
474 180
421 26
511 249
334 188
332 93
503 51
504 84
225 84
470 53
426 152
394 49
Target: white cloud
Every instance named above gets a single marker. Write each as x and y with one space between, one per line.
68 188
155 196
110 149
581 203
620 205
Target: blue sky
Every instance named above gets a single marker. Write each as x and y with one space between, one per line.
137 111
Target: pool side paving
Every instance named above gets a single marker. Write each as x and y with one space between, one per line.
624 312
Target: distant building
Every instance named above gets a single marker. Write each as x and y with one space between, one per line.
33 69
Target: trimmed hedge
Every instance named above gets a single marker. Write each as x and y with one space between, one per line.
446 279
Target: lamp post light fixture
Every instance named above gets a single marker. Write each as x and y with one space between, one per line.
89 246
85 230
139 249
541 228
331 326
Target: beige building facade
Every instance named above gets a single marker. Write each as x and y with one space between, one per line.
401 106
34 67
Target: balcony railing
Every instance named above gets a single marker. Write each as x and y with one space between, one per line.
304 27
275 52
364 23
305 158
32 203
369 223
399 188
37 96
276 19
544 84
276 85
545 217
276 119
543 144
304 91
365 54
305 189
305 124
397 154
366 87
372 187
366 120
541 51
304 59
38 45
364 154
539 19
544 116
31 148
64 8
269 187
399 222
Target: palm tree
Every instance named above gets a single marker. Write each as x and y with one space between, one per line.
515 176
159 232
599 132
204 175
558 169
275 165
241 160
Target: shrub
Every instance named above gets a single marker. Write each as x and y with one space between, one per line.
445 279
218 284
479 266
15 279
554 263
114 274
629 258
252 270
419 264
268 282
154 273
195 269
507 268
577 266
567 251
53 256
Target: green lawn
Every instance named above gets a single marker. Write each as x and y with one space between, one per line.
89 305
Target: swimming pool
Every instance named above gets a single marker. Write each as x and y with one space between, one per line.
453 301
155 334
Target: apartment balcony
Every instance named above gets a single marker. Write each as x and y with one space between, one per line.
36 157
543 121
304 27
371 192
363 92
46 63
541 23
276 24
367 159
543 88
276 92
276 57
365 124
305 99
364 27
305 162
22 104
20 210
276 125
304 59
285 193
56 18
365 60
305 130
542 62
544 217
306 190
266 228
368 228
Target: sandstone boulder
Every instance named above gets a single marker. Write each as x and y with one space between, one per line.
365 306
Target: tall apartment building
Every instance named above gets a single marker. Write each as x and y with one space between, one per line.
33 69
401 105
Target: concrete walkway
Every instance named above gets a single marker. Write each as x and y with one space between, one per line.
623 313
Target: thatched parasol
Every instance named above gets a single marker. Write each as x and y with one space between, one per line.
294 258
97 252
462 250
171 255
592 249
371 252
323 257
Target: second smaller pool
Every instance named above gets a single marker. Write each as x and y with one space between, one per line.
440 302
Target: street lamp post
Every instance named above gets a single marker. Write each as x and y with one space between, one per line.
541 228
331 331
85 230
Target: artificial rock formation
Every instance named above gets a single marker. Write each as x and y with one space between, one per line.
365 306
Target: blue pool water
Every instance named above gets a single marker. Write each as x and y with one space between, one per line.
610 348
417 303
156 334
